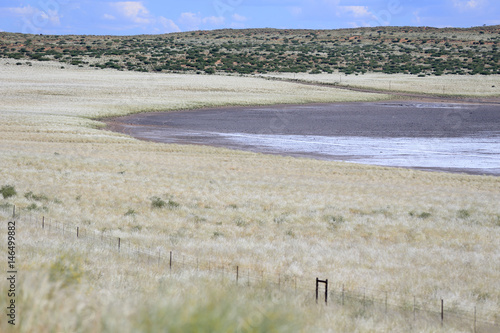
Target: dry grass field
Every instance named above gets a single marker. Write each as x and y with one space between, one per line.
447 85
409 233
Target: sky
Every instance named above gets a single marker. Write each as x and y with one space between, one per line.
92 17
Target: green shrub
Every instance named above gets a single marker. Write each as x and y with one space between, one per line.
8 191
130 212
172 204
333 221
463 214
157 203
31 196
240 222
424 215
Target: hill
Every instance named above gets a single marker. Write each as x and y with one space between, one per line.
413 50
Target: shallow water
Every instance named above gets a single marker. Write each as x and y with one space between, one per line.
431 136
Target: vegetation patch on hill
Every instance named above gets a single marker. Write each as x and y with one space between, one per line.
409 50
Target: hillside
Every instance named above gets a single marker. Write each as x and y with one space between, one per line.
414 50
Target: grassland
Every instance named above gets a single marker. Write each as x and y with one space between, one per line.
471 86
410 233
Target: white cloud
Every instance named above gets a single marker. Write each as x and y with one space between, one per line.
133 10
469 4
416 14
20 11
356 11
109 17
168 25
33 14
239 18
193 21
214 20
127 12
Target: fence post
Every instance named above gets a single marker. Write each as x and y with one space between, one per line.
326 291
414 308
317 284
170 260
237 273
14 212
442 312
475 310
364 299
386 302
77 231
342 294
43 222
318 281
119 241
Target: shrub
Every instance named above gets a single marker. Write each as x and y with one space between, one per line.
423 215
157 203
463 214
333 221
31 196
130 212
8 191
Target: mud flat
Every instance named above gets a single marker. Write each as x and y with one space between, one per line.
450 137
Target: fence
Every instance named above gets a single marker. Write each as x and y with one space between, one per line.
366 300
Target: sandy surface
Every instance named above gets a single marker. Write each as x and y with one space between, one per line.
437 136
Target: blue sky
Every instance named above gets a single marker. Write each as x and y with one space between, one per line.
113 17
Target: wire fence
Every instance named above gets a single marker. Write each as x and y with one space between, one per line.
365 300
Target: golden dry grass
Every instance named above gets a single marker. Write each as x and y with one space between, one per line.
411 233
447 85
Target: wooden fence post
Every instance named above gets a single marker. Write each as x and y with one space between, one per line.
414 308
119 241
386 302
442 312
475 312
170 260
318 281
237 273
77 231
317 284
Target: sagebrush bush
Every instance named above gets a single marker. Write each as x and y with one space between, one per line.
8 191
